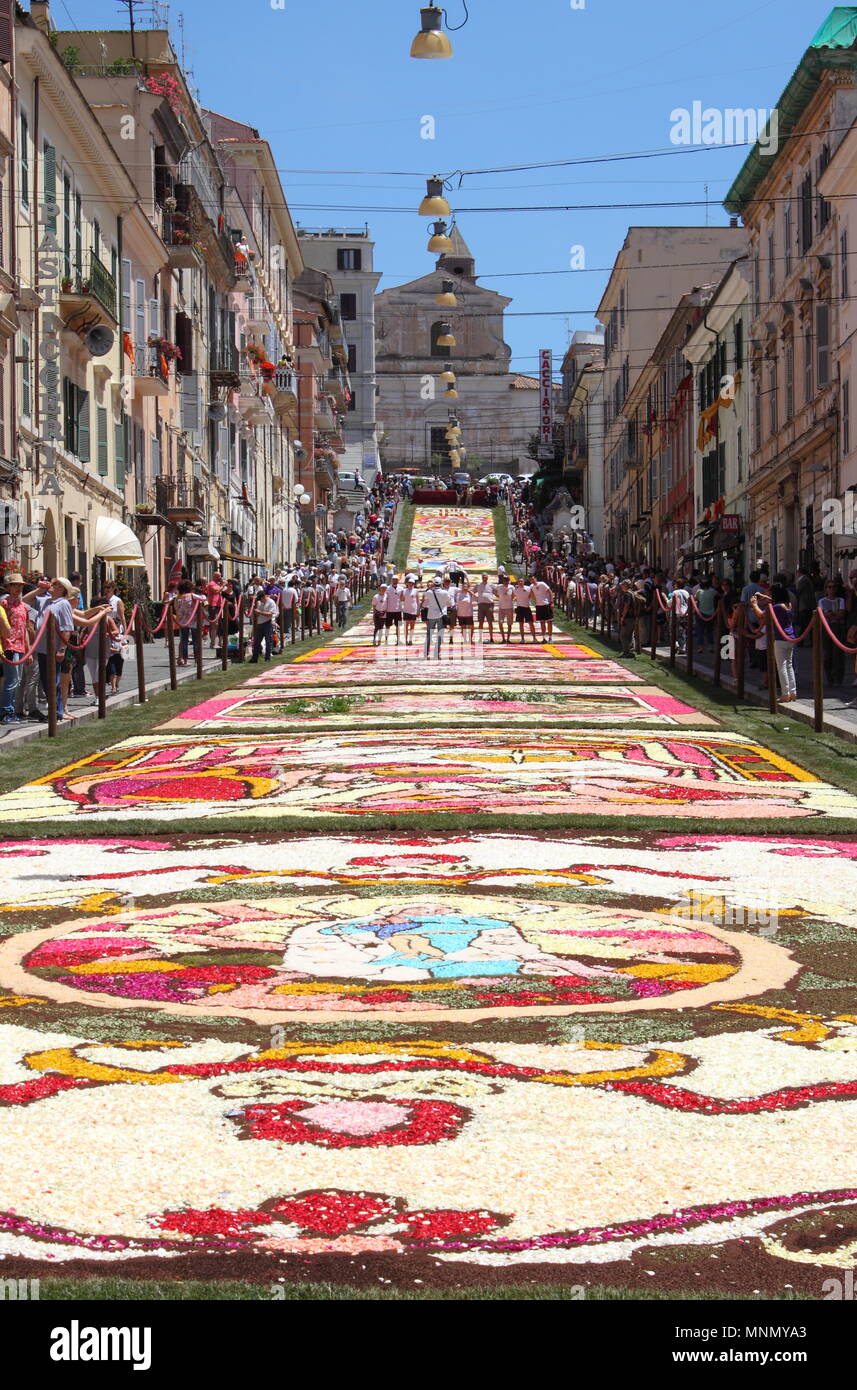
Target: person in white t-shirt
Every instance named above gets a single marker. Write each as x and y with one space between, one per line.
505 607
464 603
523 608
543 596
485 605
393 609
437 600
379 614
410 609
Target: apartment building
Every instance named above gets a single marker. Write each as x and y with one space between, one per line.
322 352
582 413
796 220
76 210
347 256
716 349
655 267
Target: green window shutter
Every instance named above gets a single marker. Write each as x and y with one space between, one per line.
83 425
120 427
102 455
69 408
49 160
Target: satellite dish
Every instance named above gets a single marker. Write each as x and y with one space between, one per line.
218 410
99 340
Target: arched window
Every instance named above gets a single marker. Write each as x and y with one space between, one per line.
435 334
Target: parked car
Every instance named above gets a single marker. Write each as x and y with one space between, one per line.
460 480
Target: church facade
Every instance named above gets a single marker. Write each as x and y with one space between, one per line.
498 411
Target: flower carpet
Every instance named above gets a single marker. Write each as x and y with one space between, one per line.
300 1053
461 535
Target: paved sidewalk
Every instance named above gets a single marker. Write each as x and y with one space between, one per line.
84 707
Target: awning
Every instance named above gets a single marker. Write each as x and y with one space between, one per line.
116 542
200 548
242 559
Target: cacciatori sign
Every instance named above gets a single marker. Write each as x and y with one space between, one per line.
546 397
49 339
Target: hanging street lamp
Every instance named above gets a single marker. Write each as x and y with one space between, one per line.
431 41
434 204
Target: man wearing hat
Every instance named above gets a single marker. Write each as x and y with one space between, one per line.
60 611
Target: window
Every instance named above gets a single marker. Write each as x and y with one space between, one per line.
789 356
846 419
757 292
76 413
739 344
78 234
348 307
66 226
121 448
805 223
807 366
436 350
787 239
25 161
773 422
771 265
26 378
102 453
352 358
822 340
823 211
843 265
439 446
49 181
349 258
739 453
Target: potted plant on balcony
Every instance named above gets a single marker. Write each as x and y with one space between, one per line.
66 284
267 369
171 351
145 508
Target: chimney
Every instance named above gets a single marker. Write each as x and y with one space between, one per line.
41 16
733 221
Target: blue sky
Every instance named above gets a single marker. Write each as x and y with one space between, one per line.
331 85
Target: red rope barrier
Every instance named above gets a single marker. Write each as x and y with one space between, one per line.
19 660
849 651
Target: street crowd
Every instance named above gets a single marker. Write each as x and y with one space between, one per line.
51 610
641 599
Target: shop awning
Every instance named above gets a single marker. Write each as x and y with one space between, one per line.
116 542
242 559
200 548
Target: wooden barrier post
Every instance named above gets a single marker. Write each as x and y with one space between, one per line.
281 618
224 635
239 656
772 661
200 624
141 659
817 674
653 626
169 625
740 653
673 634
51 676
102 668
688 661
718 643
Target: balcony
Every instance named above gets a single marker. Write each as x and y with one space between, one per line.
258 316
151 371
91 291
324 415
245 282
223 367
218 246
285 391
180 501
326 469
177 235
